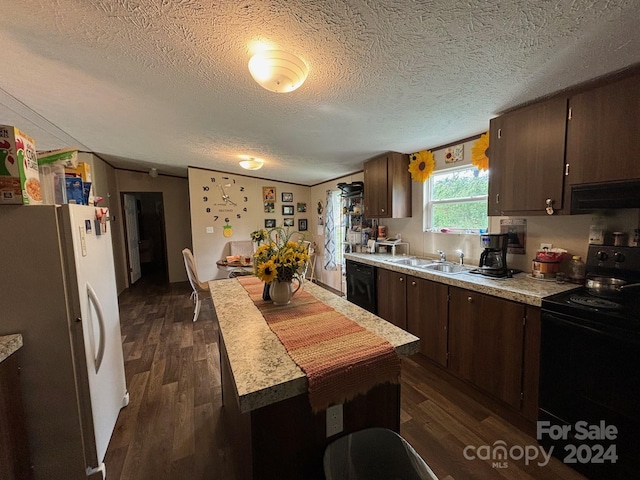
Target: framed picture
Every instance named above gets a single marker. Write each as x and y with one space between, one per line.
269 223
302 225
288 222
302 207
287 209
269 207
287 197
269 194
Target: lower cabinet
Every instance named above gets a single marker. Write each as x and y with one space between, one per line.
14 450
486 339
392 291
427 316
489 342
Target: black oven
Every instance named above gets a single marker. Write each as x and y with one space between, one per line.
590 380
361 285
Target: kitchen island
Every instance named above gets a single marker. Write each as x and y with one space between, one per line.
274 432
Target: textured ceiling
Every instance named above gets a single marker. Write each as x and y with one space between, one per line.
165 83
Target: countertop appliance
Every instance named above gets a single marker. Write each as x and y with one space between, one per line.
361 285
59 291
493 259
590 353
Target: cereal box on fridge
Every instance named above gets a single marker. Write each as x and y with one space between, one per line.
19 177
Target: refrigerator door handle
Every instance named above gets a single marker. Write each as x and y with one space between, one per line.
96 303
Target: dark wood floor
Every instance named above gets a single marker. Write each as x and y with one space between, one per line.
172 427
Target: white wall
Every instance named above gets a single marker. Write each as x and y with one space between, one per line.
208 248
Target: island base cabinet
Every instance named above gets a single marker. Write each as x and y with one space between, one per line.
486 336
286 440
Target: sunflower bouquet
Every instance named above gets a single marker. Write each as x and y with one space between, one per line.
279 257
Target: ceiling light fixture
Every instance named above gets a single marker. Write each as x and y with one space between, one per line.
278 71
251 163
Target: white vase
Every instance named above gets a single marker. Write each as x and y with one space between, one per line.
281 292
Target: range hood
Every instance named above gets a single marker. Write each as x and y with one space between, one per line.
605 196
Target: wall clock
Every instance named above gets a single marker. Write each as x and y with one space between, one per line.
226 199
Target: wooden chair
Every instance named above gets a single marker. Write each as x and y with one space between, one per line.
200 289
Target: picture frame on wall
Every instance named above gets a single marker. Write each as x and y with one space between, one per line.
288 222
269 223
269 207
302 224
269 194
287 197
287 210
302 207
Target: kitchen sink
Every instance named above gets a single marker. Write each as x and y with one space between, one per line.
446 267
413 262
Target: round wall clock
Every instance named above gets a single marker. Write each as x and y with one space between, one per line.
225 198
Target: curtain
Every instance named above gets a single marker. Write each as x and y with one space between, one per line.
329 235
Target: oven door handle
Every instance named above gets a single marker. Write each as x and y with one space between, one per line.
587 326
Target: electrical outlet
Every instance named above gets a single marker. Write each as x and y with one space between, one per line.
334 420
546 245
209 229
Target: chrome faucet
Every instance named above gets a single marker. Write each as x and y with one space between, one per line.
461 255
443 256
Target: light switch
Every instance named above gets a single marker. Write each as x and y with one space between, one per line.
209 229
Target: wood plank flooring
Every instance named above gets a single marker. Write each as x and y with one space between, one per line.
172 427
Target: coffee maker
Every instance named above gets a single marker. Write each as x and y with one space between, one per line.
493 259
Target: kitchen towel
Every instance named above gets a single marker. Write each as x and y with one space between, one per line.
340 358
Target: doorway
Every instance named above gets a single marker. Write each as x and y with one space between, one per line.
145 237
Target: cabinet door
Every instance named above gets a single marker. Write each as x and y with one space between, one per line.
427 314
495 197
14 450
603 137
486 336
376 196
527 146
399 187
392 305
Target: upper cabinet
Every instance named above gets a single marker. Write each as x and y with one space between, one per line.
526 159
539 153
603 137
387 181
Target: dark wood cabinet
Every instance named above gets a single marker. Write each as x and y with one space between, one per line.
14 451
392 291
526 159
427 316
387 186
603 136
486 336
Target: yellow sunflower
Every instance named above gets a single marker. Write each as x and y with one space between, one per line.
479 152
267 271
421 165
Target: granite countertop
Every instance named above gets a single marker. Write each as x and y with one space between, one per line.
521 288
262 370
9 344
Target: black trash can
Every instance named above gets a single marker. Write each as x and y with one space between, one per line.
374 454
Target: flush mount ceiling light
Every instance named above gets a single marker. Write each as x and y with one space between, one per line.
251 163
278 71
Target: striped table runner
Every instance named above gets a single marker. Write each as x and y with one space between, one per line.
340 358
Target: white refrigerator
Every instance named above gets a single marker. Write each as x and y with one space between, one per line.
58 289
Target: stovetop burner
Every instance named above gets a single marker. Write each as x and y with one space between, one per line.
594 302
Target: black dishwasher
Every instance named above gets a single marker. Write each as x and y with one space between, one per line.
361 285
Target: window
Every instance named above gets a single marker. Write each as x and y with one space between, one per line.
456 200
